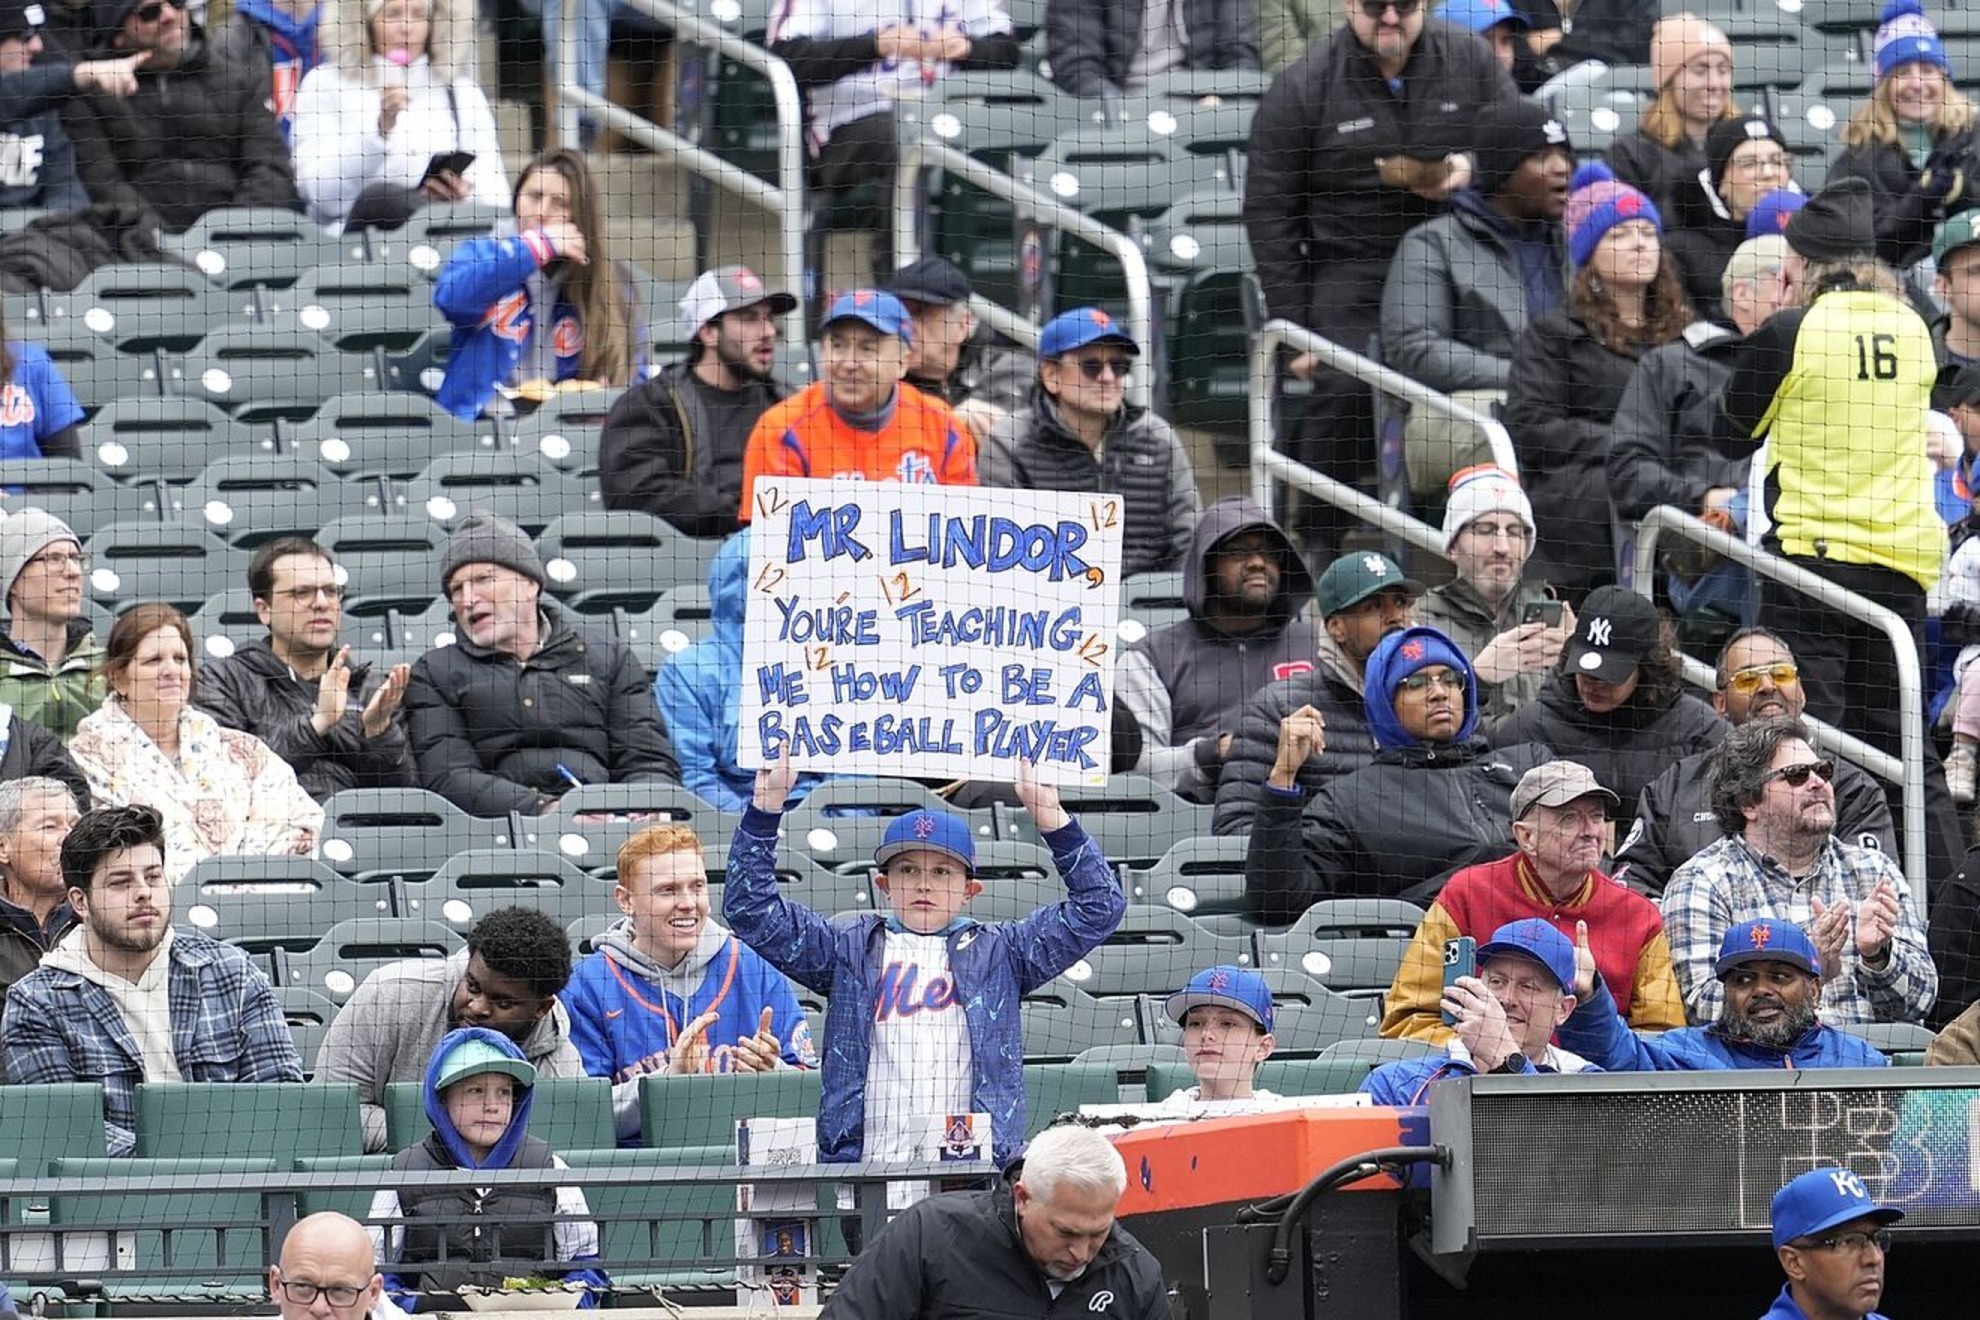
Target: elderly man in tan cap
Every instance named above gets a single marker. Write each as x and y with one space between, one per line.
1560 816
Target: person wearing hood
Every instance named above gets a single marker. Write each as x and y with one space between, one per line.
1434 800
1616 702
395 95
528 704
1746 159
1361 598
1489 609
478 1089
699 692
516 963
1246 589
1911 142
195 135
1080 433
1462 287
1771 974
668 990
49 656
123 998
278 37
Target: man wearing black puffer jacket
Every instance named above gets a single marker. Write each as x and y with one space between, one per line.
1045 1244
527 705
196 135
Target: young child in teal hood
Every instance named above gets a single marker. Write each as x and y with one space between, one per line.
478 1090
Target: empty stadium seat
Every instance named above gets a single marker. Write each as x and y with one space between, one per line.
267 1120
1202 875
683 1230
177 562
703 1110
389 561
137 306
351 950
1154 951
1134 819
601 561
515 485
565 429
473 883
249 500
399 833
205 1243
1062 1022
170 439
261 373
358 306
677 619
1200 257
591 822
356 1185
263 903
1352 945
236 247
42 1123
1341 1075
99 375
78 494
386 433
1053 1089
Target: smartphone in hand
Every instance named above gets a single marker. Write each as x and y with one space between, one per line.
1460 959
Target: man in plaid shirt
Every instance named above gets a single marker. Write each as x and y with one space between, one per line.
1774 797
123 998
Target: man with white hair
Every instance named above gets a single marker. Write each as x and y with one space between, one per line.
1028 1243
328 1272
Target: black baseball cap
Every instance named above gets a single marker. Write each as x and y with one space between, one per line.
930 280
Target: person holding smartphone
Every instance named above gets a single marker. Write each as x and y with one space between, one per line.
392 120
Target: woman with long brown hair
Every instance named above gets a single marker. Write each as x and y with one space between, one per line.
541 307
1571 366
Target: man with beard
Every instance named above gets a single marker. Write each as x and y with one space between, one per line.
1781 862
1771 977
1757 680
673 446
1832 1241
123 998
1245 588
517 962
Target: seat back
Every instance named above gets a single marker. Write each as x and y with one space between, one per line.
703 1110
399 833
262 1120
262 903
351 950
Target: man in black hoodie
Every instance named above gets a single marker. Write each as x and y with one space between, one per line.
37 161
1245 587
197 134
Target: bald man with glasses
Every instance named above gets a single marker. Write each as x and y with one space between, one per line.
328 1272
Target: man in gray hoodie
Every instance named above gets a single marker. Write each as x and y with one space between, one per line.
1245 587
507 980
668 990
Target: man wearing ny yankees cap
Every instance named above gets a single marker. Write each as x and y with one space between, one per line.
673 446
1833 1241
1045 1243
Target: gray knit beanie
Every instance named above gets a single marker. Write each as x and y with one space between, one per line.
488 538
25 533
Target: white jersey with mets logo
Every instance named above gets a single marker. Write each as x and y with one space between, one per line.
919 1067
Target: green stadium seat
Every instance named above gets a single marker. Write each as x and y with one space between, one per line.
1337 1076
565 431
359 306
518 486
677 619
207 1245
688 1227
251 499
353 1200
703 1110
99 375
590 823
80 495
1201 258
309 1015
389 561
39 1124
1154 951
1376 1051
1134 820
275 1120
1052 1089
260 373
1201 876
264 903
1062 1022
570 1113
399 833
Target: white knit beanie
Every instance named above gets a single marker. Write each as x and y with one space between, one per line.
1479 490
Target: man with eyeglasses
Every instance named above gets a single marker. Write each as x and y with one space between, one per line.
48 654
1080 433
1435 799
328 1271
333 721
1780 860
1674 818
1771 977
1833 1243
1360 140
196 134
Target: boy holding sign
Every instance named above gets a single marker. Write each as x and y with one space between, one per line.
922 1019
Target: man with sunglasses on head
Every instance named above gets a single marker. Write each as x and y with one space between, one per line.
1674 819
1833 1242
334 721
196 134
1780 861
1360 140
1080 433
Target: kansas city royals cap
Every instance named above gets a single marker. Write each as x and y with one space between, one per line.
928 831
1767 941
1533 938
1821 1199
883 311
1224 986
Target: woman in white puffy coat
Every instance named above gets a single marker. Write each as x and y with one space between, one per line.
395 91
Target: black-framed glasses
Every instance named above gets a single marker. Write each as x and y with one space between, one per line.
1744 681
1403 8
152 12
1851 1243
1794 776
304 1293
1118 368
305 595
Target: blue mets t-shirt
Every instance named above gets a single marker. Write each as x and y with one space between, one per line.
35 403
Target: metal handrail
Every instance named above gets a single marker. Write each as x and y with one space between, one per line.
916 154
1268 465
1908 768
784 200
